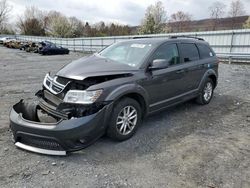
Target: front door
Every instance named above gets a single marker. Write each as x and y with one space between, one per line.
165 84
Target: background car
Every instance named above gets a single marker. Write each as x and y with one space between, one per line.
8 43
52 49
24 45
2 40
32 47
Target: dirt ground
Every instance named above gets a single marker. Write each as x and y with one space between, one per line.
185 146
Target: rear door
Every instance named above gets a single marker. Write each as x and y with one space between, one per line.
193 66
207 56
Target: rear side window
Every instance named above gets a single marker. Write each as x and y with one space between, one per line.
205 51
189 52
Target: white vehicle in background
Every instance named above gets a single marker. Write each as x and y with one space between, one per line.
4 39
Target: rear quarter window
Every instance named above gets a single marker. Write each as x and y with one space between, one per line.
205 51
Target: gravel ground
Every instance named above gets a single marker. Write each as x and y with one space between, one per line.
185 146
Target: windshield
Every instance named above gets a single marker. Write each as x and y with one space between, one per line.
130 53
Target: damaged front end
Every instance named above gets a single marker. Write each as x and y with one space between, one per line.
59 122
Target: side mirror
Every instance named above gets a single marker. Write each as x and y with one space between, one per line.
159 64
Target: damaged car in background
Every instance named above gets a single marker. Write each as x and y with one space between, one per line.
49 48
4 39
110 92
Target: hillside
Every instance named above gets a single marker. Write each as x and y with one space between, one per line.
204 25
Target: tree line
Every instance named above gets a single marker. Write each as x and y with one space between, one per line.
157 21
52 23
42 23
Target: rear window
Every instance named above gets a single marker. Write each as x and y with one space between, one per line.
189 52
205 51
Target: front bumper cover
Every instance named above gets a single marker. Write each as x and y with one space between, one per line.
61 137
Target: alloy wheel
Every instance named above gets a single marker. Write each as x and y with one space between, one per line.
208 91
126 120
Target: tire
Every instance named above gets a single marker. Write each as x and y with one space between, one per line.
115 130
207 92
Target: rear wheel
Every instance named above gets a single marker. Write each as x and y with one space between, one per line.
125 119
206 93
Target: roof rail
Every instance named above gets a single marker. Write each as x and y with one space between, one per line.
185 36
140 37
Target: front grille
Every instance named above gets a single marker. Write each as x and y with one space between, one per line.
53 85
47 82
43 143
62 80
56 89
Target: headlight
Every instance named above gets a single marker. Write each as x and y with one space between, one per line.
82 97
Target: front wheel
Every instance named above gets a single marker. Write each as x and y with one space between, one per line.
206 93
125 119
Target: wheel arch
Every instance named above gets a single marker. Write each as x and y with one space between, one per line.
139 98
133 91
209 74
213 78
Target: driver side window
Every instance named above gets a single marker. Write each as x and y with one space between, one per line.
168 52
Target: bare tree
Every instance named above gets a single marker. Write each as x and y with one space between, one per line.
216 12
77 27
179 21
159 13
236 9
58 25
154 19
32 22
5 9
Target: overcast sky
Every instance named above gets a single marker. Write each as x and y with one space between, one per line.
128 12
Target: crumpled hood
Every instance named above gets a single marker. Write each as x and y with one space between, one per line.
93 65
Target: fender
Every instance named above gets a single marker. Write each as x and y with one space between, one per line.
205 76
129 89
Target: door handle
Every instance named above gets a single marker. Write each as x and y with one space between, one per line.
180 71
202 65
